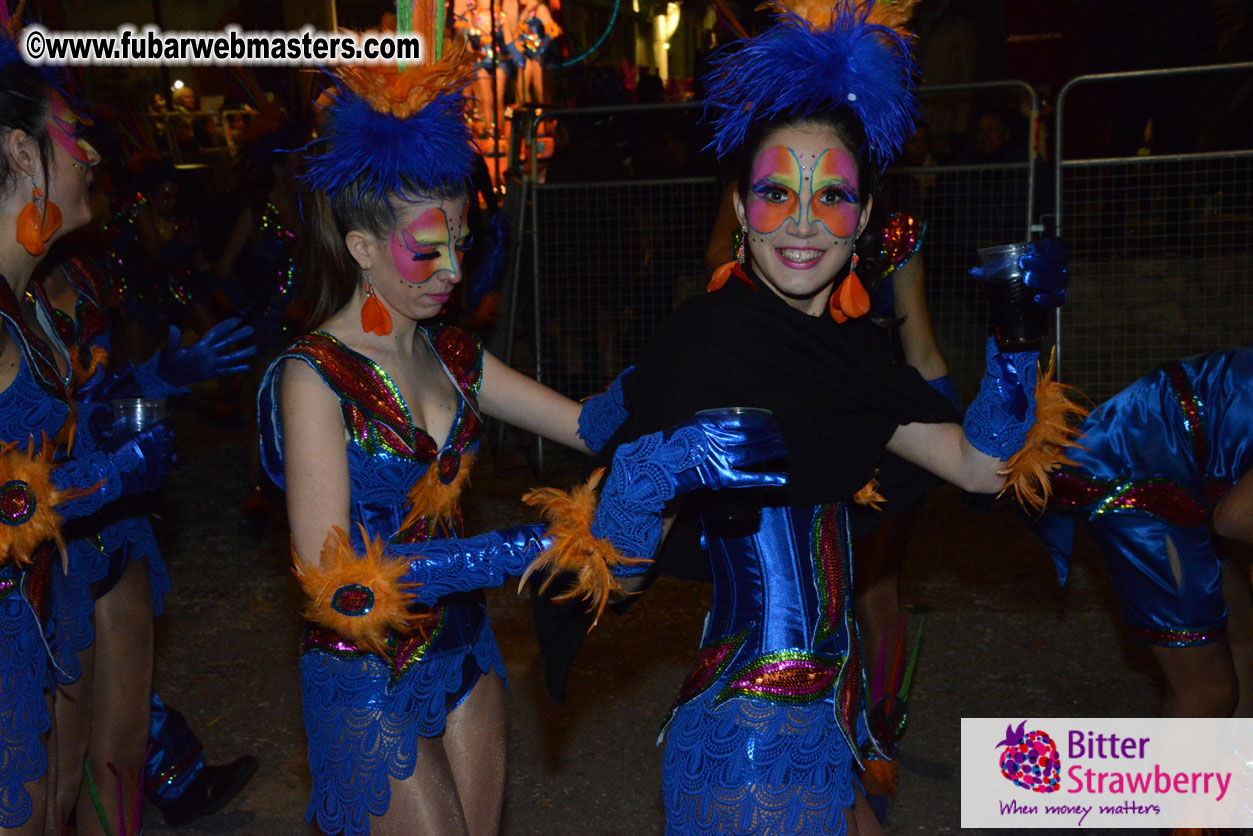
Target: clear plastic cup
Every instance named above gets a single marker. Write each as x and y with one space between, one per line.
1018 323
134 415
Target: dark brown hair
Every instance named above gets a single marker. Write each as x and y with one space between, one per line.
24 105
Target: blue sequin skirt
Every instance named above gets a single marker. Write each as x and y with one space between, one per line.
753 767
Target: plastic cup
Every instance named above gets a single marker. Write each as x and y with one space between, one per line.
1018 323
733 513
132 416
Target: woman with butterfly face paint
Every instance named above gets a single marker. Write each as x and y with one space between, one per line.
371 423
768 729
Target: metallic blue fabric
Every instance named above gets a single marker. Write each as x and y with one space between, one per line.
997 420
175 755
764 733
362 712
1153 459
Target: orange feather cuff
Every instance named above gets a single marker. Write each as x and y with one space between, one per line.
431 498
1029 471
575 549
360 597
28 502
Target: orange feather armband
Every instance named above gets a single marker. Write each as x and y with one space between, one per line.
575 549
28 502
1028 472
360 597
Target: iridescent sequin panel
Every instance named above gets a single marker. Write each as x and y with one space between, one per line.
710 663
1192 408
902 238
784 676
829 553
1156 497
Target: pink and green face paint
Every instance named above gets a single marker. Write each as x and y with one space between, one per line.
63 125
802 188
433 242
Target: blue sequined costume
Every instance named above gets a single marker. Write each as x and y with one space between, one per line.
763 737
1153 460
35 404
363 712
98 547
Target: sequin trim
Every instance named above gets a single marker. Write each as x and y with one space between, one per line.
462 354
1179 637
1156 497
176 771
7 585
1161 499
17 502
353 599
902 238
1192 408
829 552
710 663
784 676
407 651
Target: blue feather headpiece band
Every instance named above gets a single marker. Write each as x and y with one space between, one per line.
853 54
394 131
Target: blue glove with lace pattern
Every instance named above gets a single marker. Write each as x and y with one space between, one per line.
124 465
997 420
464 564
603 413
713 449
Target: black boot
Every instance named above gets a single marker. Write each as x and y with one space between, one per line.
212 790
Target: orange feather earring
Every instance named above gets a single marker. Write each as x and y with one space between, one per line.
850 300
38 221
374 317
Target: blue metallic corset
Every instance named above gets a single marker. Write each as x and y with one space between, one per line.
780 629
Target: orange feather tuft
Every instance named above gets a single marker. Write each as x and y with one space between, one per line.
881 777
432 499
344 581
1043 452
83 371
575 549
388 89
894 14
869 495
28 502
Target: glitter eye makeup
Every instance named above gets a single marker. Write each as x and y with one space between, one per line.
835 203
428 245
774 196
63 126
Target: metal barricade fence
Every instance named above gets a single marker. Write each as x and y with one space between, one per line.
602 259
1158 248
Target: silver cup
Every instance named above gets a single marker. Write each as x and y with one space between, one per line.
132 416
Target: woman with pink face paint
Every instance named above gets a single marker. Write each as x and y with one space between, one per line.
769 728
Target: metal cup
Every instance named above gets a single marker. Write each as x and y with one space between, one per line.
1018 323
132 416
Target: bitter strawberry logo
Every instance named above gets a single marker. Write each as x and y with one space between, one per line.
1030 759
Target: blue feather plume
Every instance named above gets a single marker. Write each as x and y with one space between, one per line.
389 155
795 67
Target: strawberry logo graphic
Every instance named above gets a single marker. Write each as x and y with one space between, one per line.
1030 759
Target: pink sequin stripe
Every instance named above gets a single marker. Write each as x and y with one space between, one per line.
1191 407
1159 498
409 650
787 676
829 561
710 663
1071 490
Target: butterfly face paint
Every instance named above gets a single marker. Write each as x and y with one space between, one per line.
63 125
803 211
432 243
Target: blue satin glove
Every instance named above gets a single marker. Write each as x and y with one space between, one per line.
123 467
442 567
997 420
1044 270
224 349
710 450
602 414
946 387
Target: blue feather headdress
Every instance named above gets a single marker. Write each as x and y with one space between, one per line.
815 59
394 131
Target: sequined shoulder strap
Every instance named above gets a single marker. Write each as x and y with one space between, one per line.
38 353
461 352
374 411
91 319
902 238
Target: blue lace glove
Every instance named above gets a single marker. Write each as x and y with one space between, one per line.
130 465
709 450
465 564
946 387
224 349
998 418
602 414
1044 270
